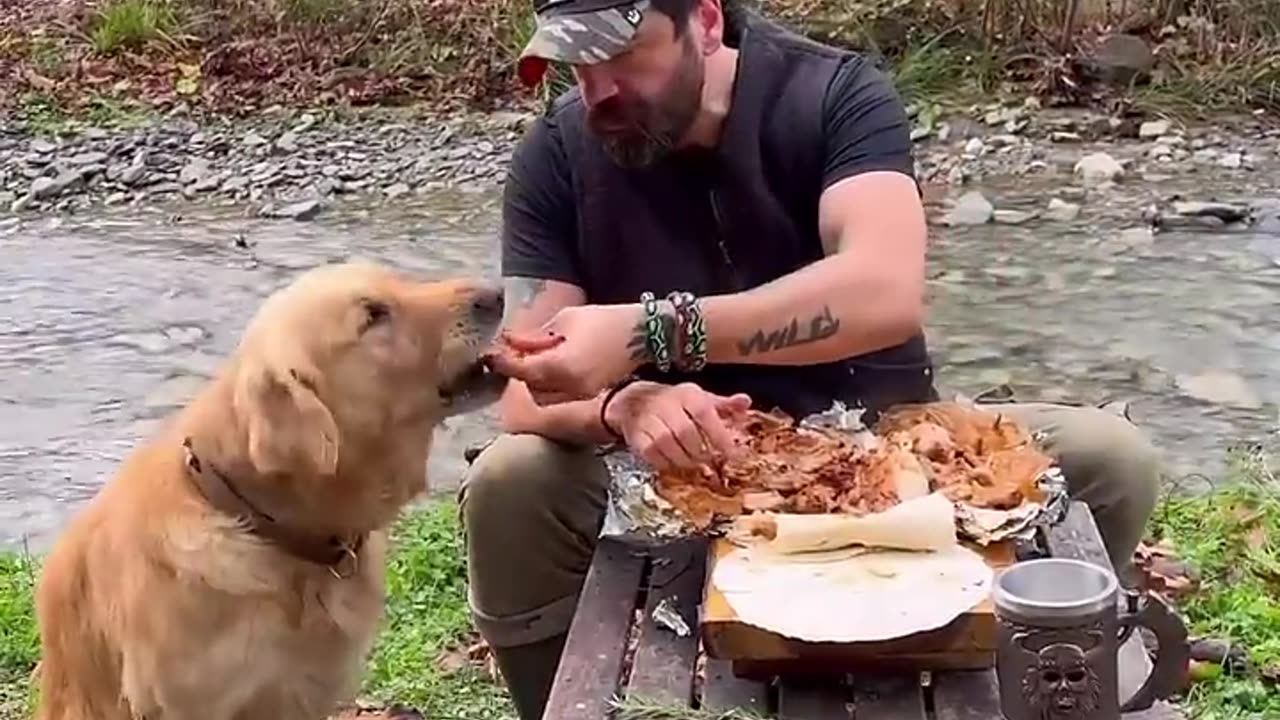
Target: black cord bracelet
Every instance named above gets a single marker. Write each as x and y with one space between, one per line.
604 404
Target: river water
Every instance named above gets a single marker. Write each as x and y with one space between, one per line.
109 322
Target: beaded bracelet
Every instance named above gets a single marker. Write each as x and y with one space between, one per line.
655 332
691 329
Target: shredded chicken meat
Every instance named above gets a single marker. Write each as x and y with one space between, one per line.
970 455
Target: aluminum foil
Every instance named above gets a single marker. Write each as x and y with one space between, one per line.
637 514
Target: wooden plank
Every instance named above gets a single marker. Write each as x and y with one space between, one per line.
966 695
812 699
1077 537
722 690
899 696
591 664
663 670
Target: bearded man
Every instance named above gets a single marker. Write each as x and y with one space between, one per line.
714 173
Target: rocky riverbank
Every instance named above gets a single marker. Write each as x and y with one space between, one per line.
295 164
280 164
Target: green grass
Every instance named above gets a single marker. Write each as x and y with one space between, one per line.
1231 535
426 617
132 25
19 643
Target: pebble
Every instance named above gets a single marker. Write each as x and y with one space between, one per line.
1013 217
972 208
302 210
1061 210
1098 168
1154 129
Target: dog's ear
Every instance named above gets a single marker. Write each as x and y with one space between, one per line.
289 429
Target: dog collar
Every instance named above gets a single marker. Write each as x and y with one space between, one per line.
339 554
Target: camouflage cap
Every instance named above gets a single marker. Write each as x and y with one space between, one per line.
580 32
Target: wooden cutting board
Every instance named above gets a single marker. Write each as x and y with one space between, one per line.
968 642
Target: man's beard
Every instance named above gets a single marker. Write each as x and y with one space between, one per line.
646 131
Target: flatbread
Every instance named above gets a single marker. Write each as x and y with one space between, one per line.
924 523
856 597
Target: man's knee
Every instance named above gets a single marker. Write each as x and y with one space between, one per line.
519 474
1110 464
531 510
1114 460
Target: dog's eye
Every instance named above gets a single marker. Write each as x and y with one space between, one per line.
375 313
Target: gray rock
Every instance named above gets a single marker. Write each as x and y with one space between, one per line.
209 182
116 198
21 204
45 188
396 190
87 158
234 184
1013 217
302 210
42 146
133 174
92 171
972 208
252 140
1098 168
194 171
1225 212
1154 129
1231 160
974 147
1065 137
287 142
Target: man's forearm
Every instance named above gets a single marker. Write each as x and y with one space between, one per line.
574 422
830 310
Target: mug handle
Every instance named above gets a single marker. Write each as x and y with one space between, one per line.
1168 671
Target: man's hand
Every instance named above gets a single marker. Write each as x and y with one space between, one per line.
674 426
579 352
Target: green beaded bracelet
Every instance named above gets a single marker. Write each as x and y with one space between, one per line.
655 332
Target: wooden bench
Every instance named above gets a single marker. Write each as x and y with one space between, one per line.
616 649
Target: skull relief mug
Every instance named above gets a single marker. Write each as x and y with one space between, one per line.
1060 625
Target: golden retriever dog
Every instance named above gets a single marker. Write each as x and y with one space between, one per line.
233 567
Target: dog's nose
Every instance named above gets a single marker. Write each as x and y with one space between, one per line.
487 302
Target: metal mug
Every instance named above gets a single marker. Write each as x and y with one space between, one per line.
1060 626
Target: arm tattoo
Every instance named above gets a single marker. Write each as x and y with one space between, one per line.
820 327
520 294
638 345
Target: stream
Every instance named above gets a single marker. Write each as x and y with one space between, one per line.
109 321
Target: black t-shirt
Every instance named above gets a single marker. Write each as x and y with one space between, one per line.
866 130
721 220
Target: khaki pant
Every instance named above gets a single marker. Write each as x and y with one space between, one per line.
532 509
